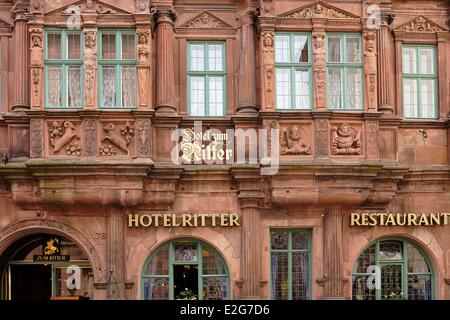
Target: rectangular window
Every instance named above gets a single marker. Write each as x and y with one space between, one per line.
344 71
63 69
117 69
419 81
206 79
290 259
293 71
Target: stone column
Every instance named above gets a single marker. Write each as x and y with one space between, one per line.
319 64
247 69
385 65
165 62
115 254
36 66
443 83
250 249
370 71
267 70
332 254
19 13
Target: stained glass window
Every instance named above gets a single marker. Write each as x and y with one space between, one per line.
404 272
290 264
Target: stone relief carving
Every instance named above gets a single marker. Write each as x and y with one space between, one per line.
206 20
36 64
90 138
292 141
321 138
268 62
36 138
143 6
372 139
143 137
370 68
319 68
90 66
267 7
120 140
61 133
420 24
90 6
319 9
143 65
346 140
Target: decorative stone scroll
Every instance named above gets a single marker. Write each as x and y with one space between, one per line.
370 69
346 140
319 69
292 141
267 39
90 67
36 65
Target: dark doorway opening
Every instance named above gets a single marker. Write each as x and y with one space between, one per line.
185 278
31 282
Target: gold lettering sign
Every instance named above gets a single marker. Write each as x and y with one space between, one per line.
183 220
399 219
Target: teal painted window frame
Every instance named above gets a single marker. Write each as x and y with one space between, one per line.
403 262
199 248
64 63
118 64
292 65
290 251
206 74
419 76
344 65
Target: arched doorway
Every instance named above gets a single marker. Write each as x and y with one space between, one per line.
45 266
404 272
185 269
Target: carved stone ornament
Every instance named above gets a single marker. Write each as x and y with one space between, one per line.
205 20
318 9
346 140
90 6
420 24
119 140
36 138
292 141
90 138
319 68
36 50
321 137
61 133
143 6
370 68
143 137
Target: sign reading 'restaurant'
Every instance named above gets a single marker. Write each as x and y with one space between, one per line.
183 220
399 219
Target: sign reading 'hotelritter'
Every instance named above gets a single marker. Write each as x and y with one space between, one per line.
183 220
399 219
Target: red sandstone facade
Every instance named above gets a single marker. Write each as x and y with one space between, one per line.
77 189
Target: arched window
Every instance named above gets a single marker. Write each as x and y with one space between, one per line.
185 269
403 271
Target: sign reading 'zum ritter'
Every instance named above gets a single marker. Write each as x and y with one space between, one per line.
51 251
183 220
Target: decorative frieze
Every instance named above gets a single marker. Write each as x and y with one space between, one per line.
293 141
116 138
143 137
36 138
321 138
420 24
64 138
346 140
318 9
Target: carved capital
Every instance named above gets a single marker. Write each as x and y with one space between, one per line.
165 16
20 12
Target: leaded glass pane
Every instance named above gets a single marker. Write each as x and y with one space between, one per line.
74 86
156 288
391 282
74 51
391 250
410 97
185 253
108 86
300 240
54 86
197 96
427 96
334 49
128 46
159 264
409 60
279 268
416 261
216 96
302 89
279 240
215 57
300 275
108 46
353 49
419 287
335 86
197 57
212 262
54 46
354 92
283 88
215 288
300 49
128 86
282 48
426 60
360 289
365 259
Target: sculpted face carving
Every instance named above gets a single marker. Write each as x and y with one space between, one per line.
293 143
346 140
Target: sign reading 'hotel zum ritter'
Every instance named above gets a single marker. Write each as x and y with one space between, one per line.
170 220
399 219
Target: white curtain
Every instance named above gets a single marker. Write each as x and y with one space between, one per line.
74 86
354 91
128 86
302 91
334 84
108 87
54 86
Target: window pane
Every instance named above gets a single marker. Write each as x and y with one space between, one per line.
426 60
335 86
128 86
74 46
279 268
185 253
353 49
391 282
283 87
108 46
215 57
427 97
54 86
159 264
410 98
300 275
334 49
197 94
416 261
156 288
365 259
302 89
215 96
108 86
300 49
391 250
409 60
279 240
215 288
128 46
360 290
354 92
300 240
419 287
54 46
197 57
74 86
282 53
212 263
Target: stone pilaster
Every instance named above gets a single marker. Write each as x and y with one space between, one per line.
90 60
385 65
36 65
115 254
370 70
165 62
319 64
143 66
268 69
